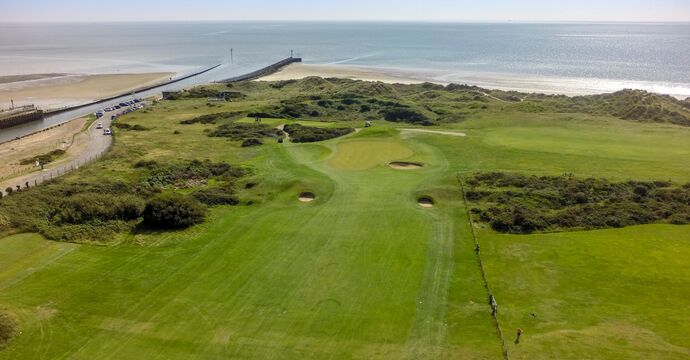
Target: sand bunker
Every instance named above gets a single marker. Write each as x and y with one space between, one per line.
425 202
402 165
438 132
307 197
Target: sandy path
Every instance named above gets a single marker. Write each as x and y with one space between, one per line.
439 132
60 137
56 92
89 145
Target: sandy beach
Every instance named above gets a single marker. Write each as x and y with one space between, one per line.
499 81
59 90
300 71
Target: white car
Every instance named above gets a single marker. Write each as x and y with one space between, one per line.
107 132
99 126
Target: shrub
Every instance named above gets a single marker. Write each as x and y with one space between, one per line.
403 115
252 142
522 204
8 328
9 190
244 131
303 134
148 164
173 211
211 118
215 196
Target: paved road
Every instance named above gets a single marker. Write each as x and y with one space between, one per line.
96 145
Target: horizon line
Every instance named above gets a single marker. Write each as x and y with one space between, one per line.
514 21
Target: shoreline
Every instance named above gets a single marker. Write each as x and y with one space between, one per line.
66 90
497 81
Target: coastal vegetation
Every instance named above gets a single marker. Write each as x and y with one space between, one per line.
43 159
514 203
304 134
331 252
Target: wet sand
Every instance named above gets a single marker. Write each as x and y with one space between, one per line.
64 90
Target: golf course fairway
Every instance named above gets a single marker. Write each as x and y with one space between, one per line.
332 255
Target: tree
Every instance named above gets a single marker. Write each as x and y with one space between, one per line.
173 211
9 190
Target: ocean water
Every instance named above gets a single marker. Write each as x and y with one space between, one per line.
565 58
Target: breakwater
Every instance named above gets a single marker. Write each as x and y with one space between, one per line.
268 70
20 115
140 90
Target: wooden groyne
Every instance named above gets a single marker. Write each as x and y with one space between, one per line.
19 115
140 90
268 70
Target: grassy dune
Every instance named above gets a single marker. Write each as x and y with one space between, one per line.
364 271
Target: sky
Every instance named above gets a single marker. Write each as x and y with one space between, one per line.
344 10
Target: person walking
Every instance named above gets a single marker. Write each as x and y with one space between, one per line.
519 333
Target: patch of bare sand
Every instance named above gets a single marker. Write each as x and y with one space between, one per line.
60 137
403 165
425 202
299 71
439 132
306 197
75 89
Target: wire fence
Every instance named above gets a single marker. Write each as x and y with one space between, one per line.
37 178
490 296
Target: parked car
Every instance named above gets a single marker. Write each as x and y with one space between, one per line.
99 126
107 132
117 107
99 114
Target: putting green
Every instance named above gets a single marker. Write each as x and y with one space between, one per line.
357 155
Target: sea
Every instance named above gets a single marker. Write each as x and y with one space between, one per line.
567 58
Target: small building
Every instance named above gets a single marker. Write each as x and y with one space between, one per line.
170 94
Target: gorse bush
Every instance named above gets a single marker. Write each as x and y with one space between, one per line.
173 211
304 134
520 204
215 196
8 328
211 118
191 174
244 131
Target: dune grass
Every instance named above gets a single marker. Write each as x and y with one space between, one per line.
363 271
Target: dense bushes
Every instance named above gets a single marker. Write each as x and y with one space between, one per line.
125 126
71 211
244 131
305 134
173 211
401 114
514 203
252 142
211 118
191 174
8 328
96 211
215 196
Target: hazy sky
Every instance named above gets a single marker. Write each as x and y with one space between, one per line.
424 10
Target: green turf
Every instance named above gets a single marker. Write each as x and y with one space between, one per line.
363 271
